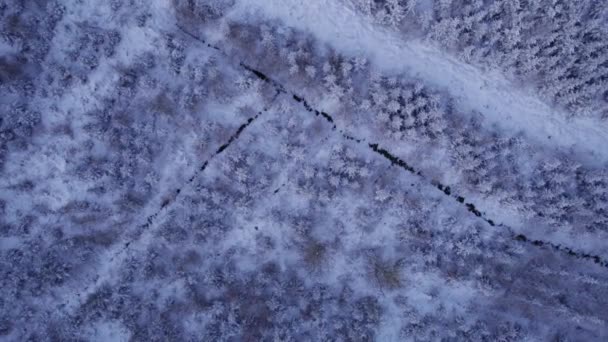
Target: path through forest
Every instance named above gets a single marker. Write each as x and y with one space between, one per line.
500 101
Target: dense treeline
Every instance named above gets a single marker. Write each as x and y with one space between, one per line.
560 46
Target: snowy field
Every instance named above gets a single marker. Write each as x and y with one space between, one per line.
304 170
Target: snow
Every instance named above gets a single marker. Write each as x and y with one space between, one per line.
360 245
6 49
108 331
502 103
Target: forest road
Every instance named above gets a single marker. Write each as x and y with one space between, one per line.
501 102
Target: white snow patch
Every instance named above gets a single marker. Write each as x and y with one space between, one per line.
108 331
6 49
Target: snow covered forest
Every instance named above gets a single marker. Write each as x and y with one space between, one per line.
303 170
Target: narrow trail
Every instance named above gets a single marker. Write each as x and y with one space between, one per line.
144 233
502 103
396 161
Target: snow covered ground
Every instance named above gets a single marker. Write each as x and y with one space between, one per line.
169 172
